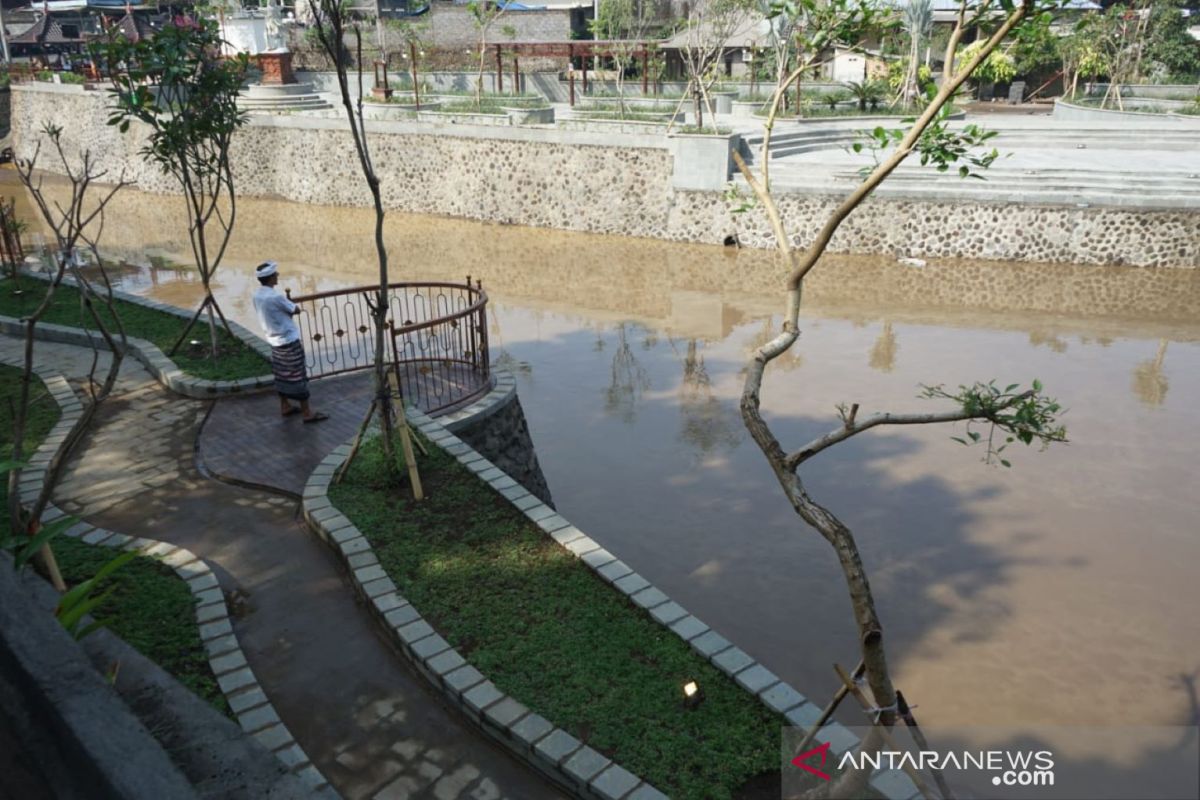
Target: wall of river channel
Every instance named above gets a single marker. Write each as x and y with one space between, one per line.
601 183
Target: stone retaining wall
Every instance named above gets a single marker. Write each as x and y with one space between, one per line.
496 428
605 183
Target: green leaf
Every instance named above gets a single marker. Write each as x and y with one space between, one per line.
71 617
43 536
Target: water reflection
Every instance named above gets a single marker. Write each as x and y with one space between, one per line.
883 352
1149 382
1016 596
707 423
629 378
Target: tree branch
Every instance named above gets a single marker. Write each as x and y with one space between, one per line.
852 428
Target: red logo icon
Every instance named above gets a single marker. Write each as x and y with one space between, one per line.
822 751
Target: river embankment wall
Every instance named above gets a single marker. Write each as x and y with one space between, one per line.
626 184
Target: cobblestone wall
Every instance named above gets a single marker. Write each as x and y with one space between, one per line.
503 438
452 26
589 182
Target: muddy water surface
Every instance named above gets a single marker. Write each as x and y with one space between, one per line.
1061 591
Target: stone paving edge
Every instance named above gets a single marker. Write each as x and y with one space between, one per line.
156 362
531 737
255 714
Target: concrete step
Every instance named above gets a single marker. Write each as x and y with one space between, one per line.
1177 184
789 143
993 191
283 101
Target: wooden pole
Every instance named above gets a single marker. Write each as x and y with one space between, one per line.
838 697
499 71
516 74
858 695
645 69
571 72
412 56
919 737
410 458
585 77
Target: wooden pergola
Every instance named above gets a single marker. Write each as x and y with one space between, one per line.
585 49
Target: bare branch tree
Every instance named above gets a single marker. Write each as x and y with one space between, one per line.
709 25
78 224
330 23
177 84
1024 415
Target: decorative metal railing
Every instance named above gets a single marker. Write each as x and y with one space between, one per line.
437 334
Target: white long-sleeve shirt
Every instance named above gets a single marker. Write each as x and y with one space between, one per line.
275 316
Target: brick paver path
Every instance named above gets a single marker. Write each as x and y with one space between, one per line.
369 724
245 435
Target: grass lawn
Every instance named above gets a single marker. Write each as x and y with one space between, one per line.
43 413
151 607
546 630
491 104
237 359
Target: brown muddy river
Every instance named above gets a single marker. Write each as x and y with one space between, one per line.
1063 591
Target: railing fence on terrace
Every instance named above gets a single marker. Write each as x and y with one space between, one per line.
437 331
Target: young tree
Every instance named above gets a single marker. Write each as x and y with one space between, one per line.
178 84
709 24
1012 413
484 13
624 23
917 16
1169 45
76 225
330 24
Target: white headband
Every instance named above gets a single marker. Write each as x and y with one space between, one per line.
266 269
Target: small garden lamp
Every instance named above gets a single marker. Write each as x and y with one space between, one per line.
693 696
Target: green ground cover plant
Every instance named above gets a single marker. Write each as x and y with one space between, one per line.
491 104
547 631
237 360
151 607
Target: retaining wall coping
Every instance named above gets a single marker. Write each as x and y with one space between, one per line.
535 740
503 132
225 656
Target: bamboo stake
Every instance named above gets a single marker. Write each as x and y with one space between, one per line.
838 697
410 458
906 714
858 695
358 437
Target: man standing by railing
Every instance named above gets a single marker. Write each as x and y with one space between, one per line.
275 314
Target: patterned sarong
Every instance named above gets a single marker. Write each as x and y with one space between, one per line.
291 376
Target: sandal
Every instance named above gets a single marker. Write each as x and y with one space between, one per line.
317 417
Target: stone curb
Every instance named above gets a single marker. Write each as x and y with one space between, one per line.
246 699
164 370
504 387
552 751
532 737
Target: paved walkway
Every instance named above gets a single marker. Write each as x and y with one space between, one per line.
242 433
370 725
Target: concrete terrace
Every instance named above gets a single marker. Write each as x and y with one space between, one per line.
1042 160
